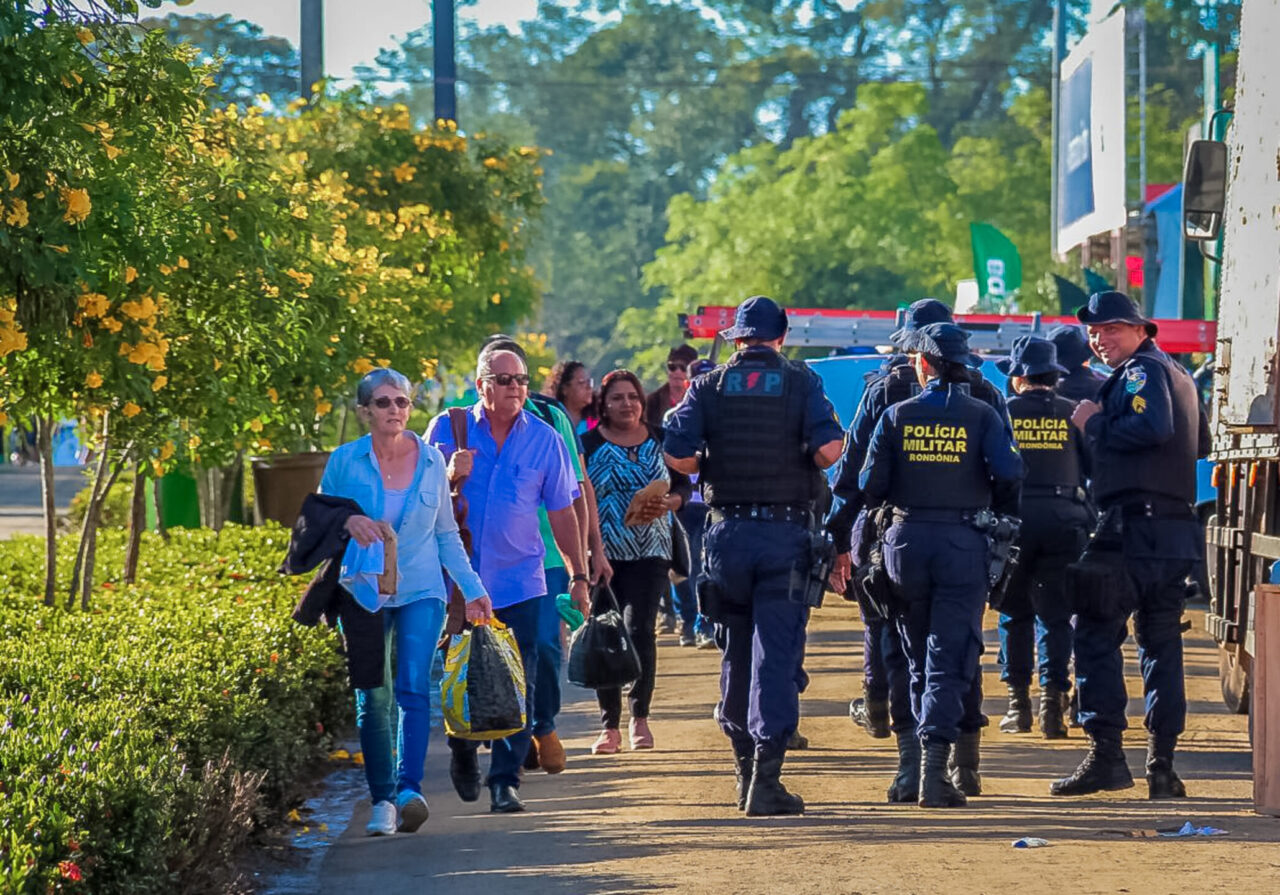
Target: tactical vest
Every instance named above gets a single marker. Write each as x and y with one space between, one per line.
756 452
937 454
1167 470
900 384
1049 444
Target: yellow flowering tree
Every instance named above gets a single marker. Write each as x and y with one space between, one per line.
89 112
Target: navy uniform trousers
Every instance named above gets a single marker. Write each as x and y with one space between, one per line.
761 638
1159 555
940 569
1037 608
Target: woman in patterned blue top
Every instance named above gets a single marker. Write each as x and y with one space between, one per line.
624 455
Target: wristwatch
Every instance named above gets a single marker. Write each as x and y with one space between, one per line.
579 577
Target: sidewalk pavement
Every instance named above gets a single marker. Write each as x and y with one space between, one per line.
665 819
21 506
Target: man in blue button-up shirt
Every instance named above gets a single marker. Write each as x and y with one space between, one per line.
514 464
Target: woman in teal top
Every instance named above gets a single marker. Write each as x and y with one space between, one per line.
400 481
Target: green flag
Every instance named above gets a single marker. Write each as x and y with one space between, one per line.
996 265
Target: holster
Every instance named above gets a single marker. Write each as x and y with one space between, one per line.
870 585
717 603
1099 580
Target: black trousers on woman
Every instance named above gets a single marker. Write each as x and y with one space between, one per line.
638 584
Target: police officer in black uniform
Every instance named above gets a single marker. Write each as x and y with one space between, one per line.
885 670
1081 382
758 430
1145 433
1056 519
942 460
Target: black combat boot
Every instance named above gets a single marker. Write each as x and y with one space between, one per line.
1162 781
744 754
872 715
767 796
1053 707
1104 768
906 785
1018 718
936 788
963 767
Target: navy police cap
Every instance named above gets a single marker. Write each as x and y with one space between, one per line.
1113 307
757 318
1072 344
945 341
919 314
1031 356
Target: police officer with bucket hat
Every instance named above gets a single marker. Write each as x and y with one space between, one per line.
757 430
943 461
1145 432
1035 610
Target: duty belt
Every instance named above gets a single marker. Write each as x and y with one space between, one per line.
925 514
1068 491
780 512
1153 505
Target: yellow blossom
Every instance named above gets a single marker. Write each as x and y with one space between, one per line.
182 262
131 410
161 382
12 180
193 442
492 163
166 450
94 304
61 250
304 278
78 205
323 407
165 269
17 216
361 365
85 36
111 151
111 324
273 395
231 234
4 418
93 380
496 298
145 309
403 172
130 274
255 425
299 212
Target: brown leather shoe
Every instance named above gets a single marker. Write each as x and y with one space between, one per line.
550 753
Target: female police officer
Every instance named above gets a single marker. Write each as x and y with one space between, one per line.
938 459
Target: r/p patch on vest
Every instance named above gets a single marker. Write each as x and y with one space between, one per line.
756 383
1134 379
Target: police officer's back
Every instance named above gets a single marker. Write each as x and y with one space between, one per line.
1144 433
1055 523
758 430
941 459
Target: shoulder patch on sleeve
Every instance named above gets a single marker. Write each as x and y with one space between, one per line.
1134 380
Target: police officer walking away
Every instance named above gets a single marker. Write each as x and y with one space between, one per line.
943 460
1036 608
758 430
1145 433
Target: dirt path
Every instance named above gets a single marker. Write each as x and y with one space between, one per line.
663 820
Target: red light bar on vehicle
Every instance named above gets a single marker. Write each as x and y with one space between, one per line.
823 327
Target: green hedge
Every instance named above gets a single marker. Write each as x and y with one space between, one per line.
141 741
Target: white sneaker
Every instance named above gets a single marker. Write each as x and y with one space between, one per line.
413 811
383 820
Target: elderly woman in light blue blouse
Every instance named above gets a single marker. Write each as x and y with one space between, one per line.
401 481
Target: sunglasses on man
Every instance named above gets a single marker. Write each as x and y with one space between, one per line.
506 379
672 366
384 402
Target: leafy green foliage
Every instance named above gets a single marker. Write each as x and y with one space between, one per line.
115 722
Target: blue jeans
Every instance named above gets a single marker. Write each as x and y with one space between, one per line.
1023 636
546 695
693 517
411 632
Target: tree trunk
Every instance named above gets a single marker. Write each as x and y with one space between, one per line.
44 446
90 511
95 513
137 522
228 492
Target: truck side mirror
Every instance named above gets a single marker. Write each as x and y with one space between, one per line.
1204 190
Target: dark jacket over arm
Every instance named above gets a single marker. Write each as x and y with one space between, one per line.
320 538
